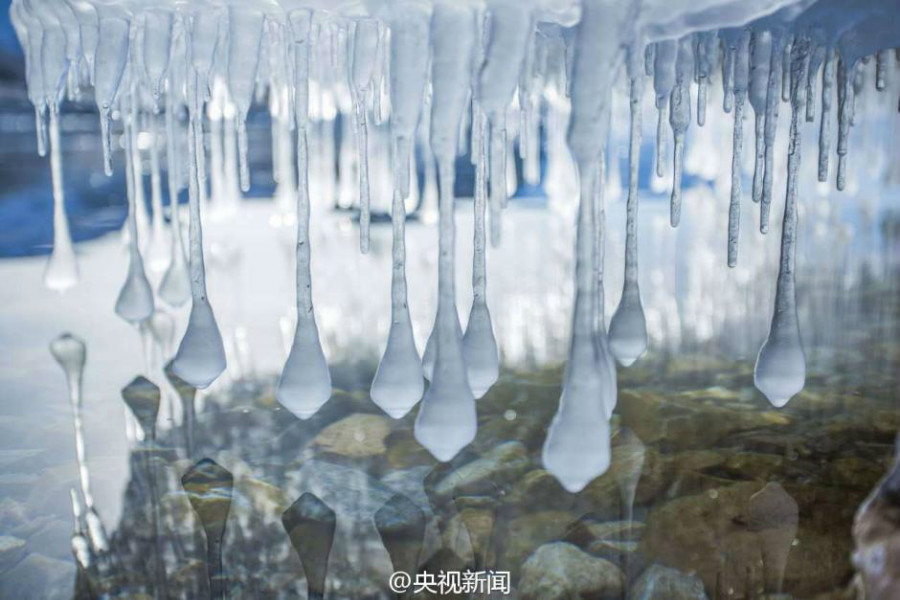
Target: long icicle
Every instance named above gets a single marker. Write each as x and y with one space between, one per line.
825 117
760 49
773 99
845 117
780 370
628 327
201 355
741 76
680 119
61 272
305 382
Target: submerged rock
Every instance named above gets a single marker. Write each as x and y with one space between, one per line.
358 435
560 571
691 533
501 465
664 583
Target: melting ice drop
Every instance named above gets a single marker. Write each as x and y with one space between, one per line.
142 397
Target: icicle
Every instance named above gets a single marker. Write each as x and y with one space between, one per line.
479 343
158 251
679 119
70 353
112 55
825 119
365 49
577 447
157 42
606 362
663 83
175 287
816 57
845 116
245 34
741 82
771 128
398 382
706 47
628 328
728 67
135 301
786 69
61 272
780 371
507 31
447 420
881 65
760 57
201 355
497 167
305 382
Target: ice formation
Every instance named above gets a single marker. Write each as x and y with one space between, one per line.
478 75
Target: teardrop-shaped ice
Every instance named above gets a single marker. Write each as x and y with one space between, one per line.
577 448
480 350
135 301
201 356
175 287
780 371
628 329
305 382
142 397
61 272
71 354
447 421
398 383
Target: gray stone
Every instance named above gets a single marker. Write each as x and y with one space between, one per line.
560 571
501 465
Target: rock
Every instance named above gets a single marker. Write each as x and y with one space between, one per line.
358 435
469 534
773 515
404 451
853 472
524 534
584 531
11 550
498 467
560 571
38 577
663 583
539 490
691 532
